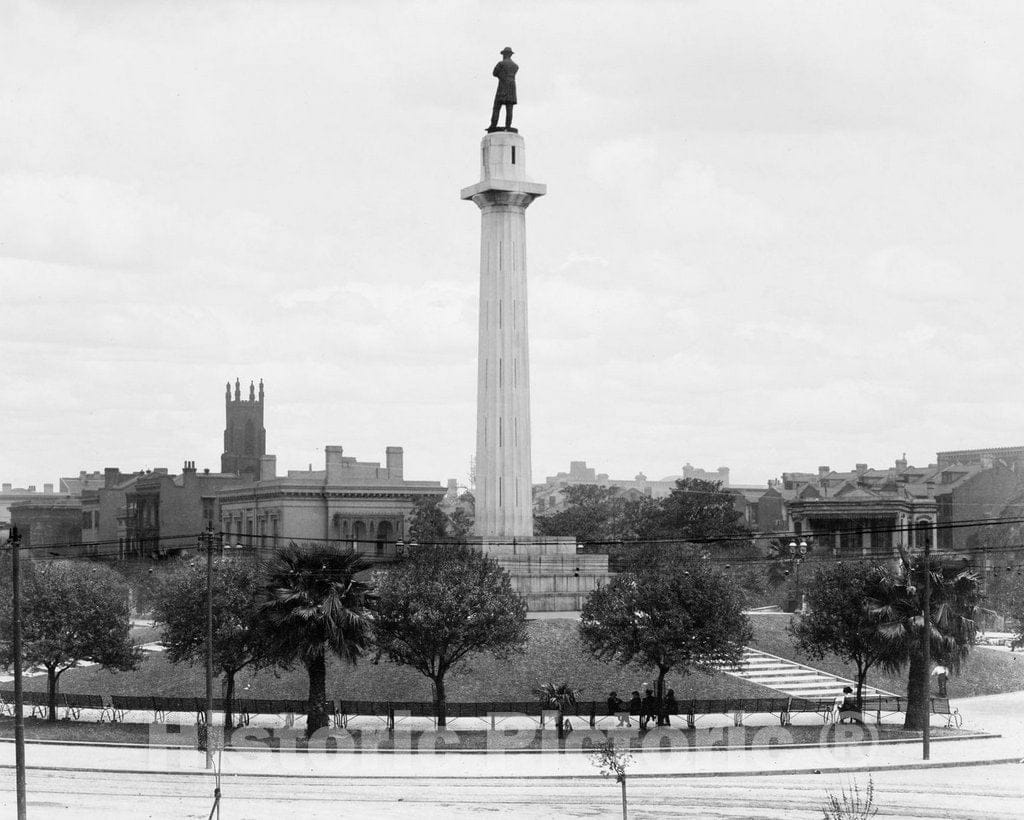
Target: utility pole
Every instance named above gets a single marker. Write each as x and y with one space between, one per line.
926 737
206 540
19 698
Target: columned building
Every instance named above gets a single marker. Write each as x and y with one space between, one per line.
860 521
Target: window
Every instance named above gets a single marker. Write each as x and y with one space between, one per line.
513 155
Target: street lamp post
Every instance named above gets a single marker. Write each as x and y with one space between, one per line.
797 553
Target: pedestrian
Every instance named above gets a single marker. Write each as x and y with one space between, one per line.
670 707
941 677
846 707
648 708
615 704
635 704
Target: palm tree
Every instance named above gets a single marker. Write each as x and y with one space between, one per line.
560 697
312 604
896 601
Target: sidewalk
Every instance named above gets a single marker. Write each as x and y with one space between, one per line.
997 713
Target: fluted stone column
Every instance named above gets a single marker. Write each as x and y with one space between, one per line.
504 506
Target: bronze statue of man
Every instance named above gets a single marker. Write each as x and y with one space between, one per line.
505 71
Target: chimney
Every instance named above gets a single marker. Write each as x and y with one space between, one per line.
860 469
190 467
110 477
395 460
31 488
48 489
268 467
901 463
453 487
334 462
824 470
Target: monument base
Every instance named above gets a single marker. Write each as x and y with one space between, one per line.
547 571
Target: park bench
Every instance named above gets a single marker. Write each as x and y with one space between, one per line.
163 706
74 704
123 704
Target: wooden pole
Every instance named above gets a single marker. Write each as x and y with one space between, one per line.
926 737
19 699
208 540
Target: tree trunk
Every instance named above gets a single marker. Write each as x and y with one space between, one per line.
440 701
316 715
623 781
918 707
862 673
229 700
51 694
659 698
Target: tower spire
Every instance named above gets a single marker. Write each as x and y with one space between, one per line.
238 390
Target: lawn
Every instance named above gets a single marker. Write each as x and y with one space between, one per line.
985 672
554 653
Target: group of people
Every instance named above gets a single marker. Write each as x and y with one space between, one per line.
646 708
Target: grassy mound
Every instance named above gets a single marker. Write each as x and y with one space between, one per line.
554 653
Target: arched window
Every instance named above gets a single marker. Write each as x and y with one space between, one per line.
383 535
359 534
923 534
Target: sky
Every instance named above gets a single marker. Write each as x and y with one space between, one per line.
776 236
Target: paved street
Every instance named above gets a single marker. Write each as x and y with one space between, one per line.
979 792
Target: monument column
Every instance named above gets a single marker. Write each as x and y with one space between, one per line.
504 507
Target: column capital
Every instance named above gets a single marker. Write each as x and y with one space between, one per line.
504 186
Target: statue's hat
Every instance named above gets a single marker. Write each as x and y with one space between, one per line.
507 50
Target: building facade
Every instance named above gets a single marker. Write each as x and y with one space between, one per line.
165 513
49 526
357 504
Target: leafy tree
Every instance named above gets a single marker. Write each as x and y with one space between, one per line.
460 522
428 523
312 604
698 510
180 605
838 623
71 613
671 610
442 605
896 602
589 514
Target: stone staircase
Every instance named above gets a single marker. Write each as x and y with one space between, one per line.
792 678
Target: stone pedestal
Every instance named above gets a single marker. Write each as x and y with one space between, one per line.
547 571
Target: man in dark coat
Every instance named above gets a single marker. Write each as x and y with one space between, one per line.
505 71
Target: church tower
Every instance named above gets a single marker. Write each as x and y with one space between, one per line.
504 488
245 439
